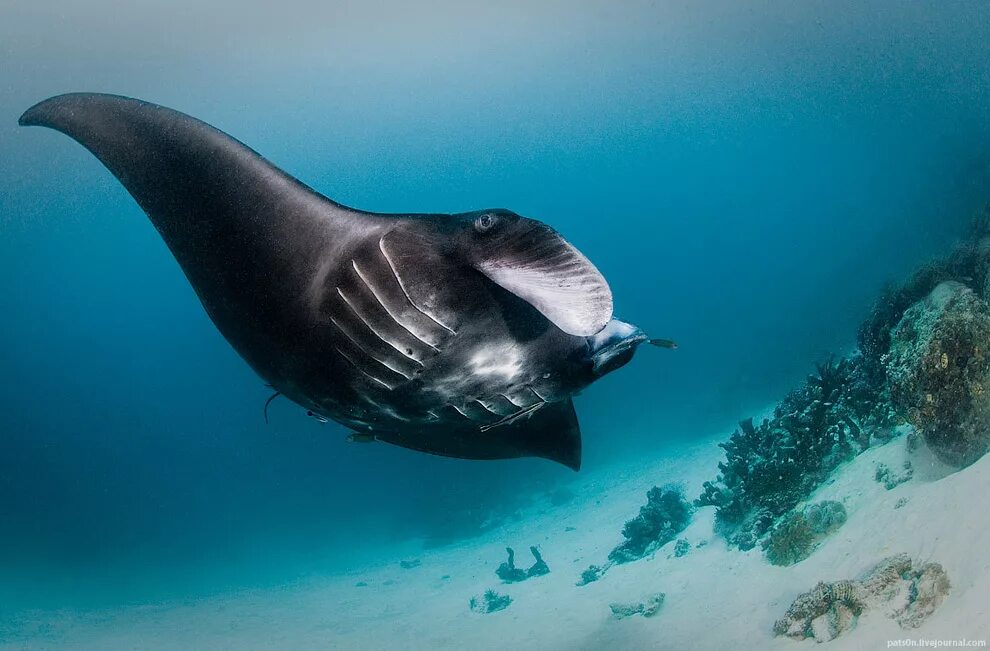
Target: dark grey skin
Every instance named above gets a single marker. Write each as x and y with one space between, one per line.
460 335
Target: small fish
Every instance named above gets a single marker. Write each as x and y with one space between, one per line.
664 343
360 437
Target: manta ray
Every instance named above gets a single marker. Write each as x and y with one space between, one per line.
463 335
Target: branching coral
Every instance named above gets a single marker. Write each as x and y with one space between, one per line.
772 467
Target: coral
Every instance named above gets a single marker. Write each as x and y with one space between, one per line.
509 573
408 565
771 467
928 589
649 608
906 592
490 602
823 613
539 567
968 263
665 514
681 548
938 369
593 573
891 479
799 533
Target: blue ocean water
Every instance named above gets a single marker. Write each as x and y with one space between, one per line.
747 175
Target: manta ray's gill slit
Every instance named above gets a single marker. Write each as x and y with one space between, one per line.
378 358
537 394
461 411
499 405
361 370
487 408
478 412
511 400
396 316
398 279
378 346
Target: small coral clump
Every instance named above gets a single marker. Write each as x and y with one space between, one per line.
938 368
490 602
649 608
681 548
509 573
908 593
799 533
593 573
665 514
891 479
539 566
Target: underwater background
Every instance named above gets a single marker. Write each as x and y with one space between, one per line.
747 175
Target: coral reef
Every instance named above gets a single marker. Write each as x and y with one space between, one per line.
922 358
665 514
798 534
891 479
770 468
490 602
938 369
906 591
968 263
509 573
649 608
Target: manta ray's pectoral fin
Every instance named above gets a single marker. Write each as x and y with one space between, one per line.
550 432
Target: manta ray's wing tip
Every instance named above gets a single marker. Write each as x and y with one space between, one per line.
56 109
45 112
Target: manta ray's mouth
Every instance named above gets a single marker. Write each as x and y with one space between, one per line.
614 346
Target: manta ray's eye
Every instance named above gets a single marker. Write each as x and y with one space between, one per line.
485 223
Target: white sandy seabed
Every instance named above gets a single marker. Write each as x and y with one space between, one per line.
716 598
